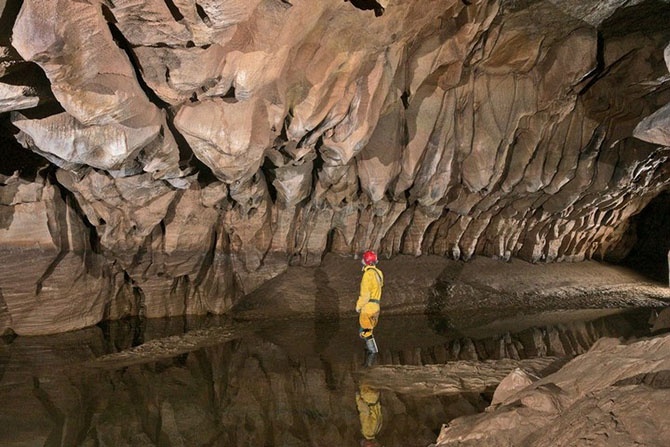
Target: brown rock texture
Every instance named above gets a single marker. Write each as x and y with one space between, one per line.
191 151
588 402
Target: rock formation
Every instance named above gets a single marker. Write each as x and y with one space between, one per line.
188 152
578 405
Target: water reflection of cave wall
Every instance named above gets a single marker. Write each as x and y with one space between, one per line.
271 388
240 393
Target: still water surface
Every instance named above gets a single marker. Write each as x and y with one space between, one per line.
221 382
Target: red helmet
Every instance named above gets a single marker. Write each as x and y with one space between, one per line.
369 257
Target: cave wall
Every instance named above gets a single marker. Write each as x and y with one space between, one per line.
186 152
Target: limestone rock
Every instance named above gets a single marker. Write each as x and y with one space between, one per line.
593 14
16 97
90 76
589 398
661 322
68 144
515 381
50 249
654 128
103 200
496 128
109 118
234 154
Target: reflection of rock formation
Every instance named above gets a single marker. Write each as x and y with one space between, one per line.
222 384
201 148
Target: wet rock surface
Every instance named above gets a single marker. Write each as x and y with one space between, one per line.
191 152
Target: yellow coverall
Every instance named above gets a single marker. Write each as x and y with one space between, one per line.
369 411
368 299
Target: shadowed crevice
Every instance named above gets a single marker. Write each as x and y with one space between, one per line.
127 48
367 5
659 380
648 17
174 10
203 15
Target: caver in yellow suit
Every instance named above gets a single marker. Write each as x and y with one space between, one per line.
369 408
370 295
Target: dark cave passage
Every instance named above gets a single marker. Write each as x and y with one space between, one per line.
649 255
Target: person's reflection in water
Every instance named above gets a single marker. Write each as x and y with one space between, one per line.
369 407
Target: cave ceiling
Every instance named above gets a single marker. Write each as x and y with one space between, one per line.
201 147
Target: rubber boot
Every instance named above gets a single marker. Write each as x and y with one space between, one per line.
371 351
371 345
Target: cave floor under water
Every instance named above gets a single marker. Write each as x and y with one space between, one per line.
218 381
